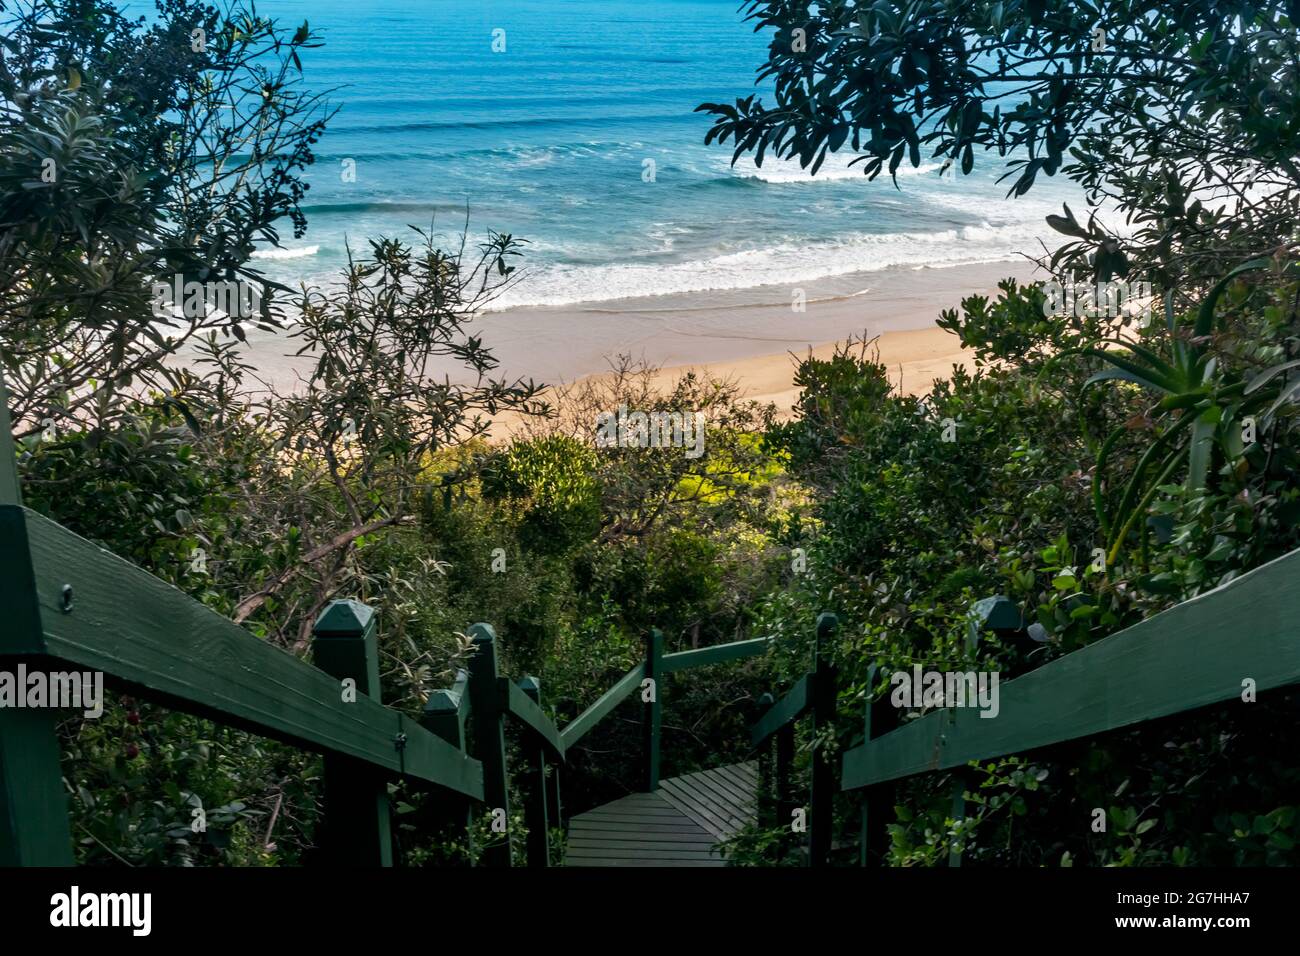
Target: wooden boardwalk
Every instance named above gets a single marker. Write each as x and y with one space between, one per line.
680 824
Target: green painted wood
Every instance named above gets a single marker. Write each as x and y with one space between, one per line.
536 813
357 825
652 716
821 819
175 651
556 802
581 725
718 654
488 723
1192 655
878 800
784 785
516 700
445 711
34 829
786 711
767 772
10 487
444 716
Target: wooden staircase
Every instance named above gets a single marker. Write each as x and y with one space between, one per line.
680 824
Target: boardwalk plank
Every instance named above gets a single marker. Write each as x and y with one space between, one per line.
678 825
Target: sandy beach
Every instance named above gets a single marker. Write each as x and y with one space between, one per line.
753 336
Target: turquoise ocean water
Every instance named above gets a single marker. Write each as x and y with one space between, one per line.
549 140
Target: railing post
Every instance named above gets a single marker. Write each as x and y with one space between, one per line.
785 802
357 823
442 717
877 800
554 802
34 827
653 713
488 723
766 772
822 823
536 812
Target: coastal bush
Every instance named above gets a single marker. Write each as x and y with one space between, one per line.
907 530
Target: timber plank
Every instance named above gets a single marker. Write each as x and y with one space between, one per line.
1193 654
604 826
642 862
696 848
166 646
736 800
680 824
746 788
701 812
723 807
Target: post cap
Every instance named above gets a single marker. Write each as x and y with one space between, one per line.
826 623
442 702
482 633
998 613
343 619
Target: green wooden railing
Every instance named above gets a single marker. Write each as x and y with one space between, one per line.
813 694
69 604
1198 653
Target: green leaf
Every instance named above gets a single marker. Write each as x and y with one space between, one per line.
1199 450
1068 225
1205 315
1266 376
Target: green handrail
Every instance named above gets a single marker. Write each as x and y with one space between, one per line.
1193 654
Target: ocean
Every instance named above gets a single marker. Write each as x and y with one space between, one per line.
551 139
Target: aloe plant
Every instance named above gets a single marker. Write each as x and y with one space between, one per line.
1201 404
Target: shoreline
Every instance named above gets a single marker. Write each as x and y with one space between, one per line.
753 336
898 309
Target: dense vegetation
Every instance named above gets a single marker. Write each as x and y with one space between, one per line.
1167 438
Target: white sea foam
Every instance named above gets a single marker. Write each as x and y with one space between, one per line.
837 168
300 253
786 263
